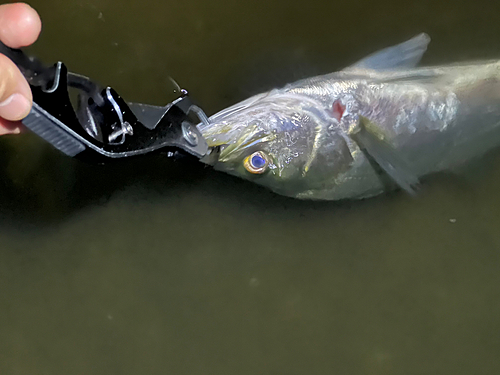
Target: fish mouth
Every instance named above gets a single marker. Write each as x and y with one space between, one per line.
213 155
224 141
247 140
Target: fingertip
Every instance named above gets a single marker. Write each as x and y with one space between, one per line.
20 25
15 94
29 23
15 107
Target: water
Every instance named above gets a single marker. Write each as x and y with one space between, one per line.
149 267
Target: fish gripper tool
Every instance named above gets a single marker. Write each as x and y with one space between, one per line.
104 126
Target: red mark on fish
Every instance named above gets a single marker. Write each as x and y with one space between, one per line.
338 109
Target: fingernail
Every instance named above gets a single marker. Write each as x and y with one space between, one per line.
15 107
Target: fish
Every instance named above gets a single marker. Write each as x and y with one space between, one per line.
380 124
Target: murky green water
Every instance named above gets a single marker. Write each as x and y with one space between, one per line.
150 267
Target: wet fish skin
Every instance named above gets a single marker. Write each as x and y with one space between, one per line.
434 118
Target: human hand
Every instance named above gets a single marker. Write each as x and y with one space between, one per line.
20 26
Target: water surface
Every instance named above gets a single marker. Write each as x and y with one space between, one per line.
154 267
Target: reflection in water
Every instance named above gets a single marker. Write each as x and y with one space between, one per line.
152 267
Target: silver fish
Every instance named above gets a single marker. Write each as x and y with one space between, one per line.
378 124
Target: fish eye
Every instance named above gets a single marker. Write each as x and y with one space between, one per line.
256 163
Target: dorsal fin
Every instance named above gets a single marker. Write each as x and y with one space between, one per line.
400 56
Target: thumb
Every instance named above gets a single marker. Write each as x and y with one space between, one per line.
15 93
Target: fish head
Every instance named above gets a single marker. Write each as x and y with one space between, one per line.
277 140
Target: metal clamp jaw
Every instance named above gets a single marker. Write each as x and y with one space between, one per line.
103 126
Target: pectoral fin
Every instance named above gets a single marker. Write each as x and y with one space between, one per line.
371 140
405 55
